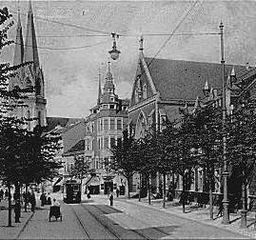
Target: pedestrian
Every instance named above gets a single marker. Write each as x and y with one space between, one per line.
49 200
88 193
33 201
117 192
1 194
111 199
6 194
43 199
17 210
55 203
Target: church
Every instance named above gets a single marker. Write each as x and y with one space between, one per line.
164 88
30 77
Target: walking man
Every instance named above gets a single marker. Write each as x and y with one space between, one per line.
111 199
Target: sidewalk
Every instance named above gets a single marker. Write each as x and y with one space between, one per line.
201 215
14 231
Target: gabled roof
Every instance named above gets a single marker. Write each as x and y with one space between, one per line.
77 148
52 122
178 79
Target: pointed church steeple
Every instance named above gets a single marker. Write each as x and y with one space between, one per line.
99 90
31 52
19 44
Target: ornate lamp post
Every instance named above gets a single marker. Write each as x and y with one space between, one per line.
114 53
224 110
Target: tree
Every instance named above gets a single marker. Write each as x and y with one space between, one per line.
242 147
208 126
81 168
125 155
185 139
25 156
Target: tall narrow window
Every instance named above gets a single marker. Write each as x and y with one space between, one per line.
112 124
119 124
105 123
106 143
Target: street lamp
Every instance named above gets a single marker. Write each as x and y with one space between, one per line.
224 110
114 53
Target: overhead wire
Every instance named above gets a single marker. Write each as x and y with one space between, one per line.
68 48
66 24
172 34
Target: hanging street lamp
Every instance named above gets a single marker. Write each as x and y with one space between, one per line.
114 53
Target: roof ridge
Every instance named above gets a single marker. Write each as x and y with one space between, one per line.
190 61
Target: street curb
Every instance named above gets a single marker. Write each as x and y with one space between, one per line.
186 218
24 226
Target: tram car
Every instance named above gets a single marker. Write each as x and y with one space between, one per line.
72 191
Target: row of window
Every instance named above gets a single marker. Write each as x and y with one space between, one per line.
107 142
106 124
101 162
110 124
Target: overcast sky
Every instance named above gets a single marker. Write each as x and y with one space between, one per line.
71 57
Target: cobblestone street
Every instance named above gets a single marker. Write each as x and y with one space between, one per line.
127 219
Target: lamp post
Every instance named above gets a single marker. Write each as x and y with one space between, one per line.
224 110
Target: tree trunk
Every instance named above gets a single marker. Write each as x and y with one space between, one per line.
173 184
211 202
128 183
164 193
149 191
210 174
26 198
9 205
244 198
183 193
140 188
17 201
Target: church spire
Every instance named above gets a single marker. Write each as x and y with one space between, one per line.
31 52
99 91
19 44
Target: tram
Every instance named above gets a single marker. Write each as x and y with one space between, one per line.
72 191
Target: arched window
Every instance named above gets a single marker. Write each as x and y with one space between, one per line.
140 127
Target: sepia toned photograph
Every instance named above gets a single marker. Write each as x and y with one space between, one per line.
127 119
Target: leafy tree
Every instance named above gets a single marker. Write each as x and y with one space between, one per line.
81 168
125 155
242 147
208 126
185 139
24 156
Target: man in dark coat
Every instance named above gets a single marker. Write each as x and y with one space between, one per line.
33 201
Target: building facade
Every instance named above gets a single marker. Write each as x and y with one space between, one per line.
30 77
104 127
162 88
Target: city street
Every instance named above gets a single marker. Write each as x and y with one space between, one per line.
94 219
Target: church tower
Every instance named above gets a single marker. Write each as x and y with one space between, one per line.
30 77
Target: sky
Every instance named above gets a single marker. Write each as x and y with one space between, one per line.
74 38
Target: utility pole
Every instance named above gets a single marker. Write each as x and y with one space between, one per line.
224 111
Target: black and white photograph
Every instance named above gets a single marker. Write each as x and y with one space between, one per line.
127 119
